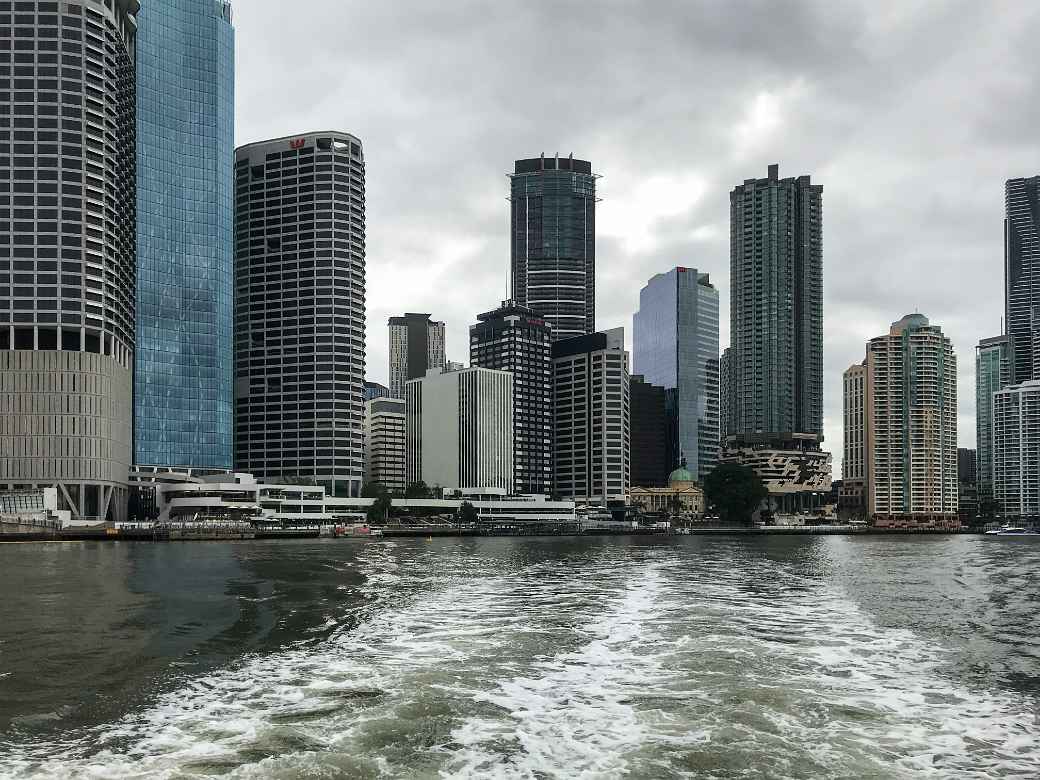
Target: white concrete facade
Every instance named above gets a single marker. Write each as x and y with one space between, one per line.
1016 451
459 429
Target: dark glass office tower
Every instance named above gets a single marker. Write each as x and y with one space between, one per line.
183 413
67 250
675 345
300 309
1022 277
652 433
513 338
553 238
776 308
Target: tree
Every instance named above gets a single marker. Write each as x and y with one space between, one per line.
467 513
372 490
735 491
417 490
380 508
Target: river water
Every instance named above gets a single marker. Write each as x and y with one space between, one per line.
670 657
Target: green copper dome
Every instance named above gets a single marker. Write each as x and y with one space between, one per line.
681 474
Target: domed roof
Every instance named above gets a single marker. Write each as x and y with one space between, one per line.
681 474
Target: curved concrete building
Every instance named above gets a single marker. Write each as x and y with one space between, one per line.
67 239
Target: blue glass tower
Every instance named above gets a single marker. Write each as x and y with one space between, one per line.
675 345
183 402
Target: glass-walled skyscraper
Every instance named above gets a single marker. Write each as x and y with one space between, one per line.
183 399
1022 277
675 341
553 242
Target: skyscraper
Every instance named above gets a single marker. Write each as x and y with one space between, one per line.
1016 462
992 366
652 431
459 429
183 404
912 432
553 238
776 307
1022 277
67 280
854 465
675 345
416 346
591 417
513 338
300 309
385 443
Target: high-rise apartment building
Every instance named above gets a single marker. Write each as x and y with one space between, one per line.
416 346
385 443
992 367
1016 459
675 345
1022 277
912 433
854 467
725 394
300 309
553 240
183 374
967 465
591 417
459 427
67 203
513 338
776 307
652 431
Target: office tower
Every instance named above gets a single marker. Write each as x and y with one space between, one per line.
967 487
1022 277
300 309
992 367
459 427
675 345
912 434
385 443
416 346
967 465
776 307
1016 452
591 417
553 239
67 162
183 403
652 431
725 394
513 338
854 471
375 390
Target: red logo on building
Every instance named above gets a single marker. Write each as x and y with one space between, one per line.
296 143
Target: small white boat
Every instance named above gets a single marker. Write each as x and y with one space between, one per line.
1012 530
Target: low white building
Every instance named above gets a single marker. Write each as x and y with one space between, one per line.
459 427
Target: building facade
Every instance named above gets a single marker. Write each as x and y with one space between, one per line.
375 390
992 368
459 428
1022 277
385 443
553 242
776 307
725 395
681 496
912 435
300 309
67 177
652 432
183 373
416 346
591 417
854 472
513 338
675 345
1016 458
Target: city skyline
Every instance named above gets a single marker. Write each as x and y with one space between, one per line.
439 223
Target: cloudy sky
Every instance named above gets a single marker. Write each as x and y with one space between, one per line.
910 114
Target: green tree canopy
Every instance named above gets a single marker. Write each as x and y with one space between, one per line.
372 490
380 508
735 491
467 513
417 490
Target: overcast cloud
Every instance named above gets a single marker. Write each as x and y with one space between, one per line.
910 114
